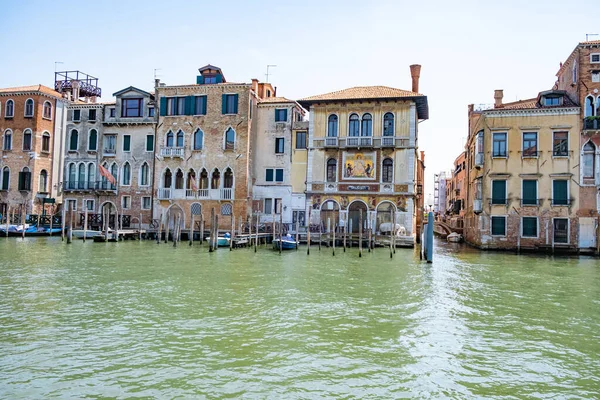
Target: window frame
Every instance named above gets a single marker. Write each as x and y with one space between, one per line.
226 147
592 58
281 114
383 170
568 199
85 205
328 178
335 123
383 128
71 149
537 227
230 103
125 109
304 140
272 173
44 116
537 194
537 140
7 136
354 123
128 198
94 112
11 108
90 141
146 147
5 183
505 198
268 201
126 168
45 137
25 114
203 109
141 175
277 172
588 153
279 145
494 155
568 231
128 142
149 202
194 142
25 131
366 125
492 225
554 153
78 112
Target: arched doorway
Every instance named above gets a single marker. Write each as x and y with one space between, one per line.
108 214
385 217
173 212
354 211
330 214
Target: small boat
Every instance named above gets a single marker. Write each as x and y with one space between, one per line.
454 237
287 243
31 231
89 234
222 241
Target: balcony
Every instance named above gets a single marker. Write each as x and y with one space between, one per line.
200 194
163 194
197 194
331 142
362 141
591 123
73 186
105 186
172 152
109 152
477 206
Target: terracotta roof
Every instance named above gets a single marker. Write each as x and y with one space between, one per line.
370 93
33 88
276 100
537 102
590 42
519 105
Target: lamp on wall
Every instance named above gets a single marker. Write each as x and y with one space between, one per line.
419 189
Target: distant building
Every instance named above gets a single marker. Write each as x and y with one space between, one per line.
456 192
362 157
440 190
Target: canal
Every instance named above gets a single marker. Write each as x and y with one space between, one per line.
136 319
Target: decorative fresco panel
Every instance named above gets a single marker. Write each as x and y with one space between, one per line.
359 165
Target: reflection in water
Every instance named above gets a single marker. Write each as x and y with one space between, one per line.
140 319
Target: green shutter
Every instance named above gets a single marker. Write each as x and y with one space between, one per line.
498 226
163 106
189 105
269 175
276 115
235 104
21 180
126 143
530 192
204 101
219 78
285 114
200 80
560 192
498 192
224 104
279 175
150 143
529 227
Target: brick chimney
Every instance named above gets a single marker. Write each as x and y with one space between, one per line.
423 156
498 95
255 86
415 73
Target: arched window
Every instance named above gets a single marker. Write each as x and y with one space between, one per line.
93 140
203 179
388 124
215 180
367 125
46 142
589 106
42 187
114 171
7 144
5 178
332 126
387 173
169 139
25 179
228 179
74 141
226 209
180 138
91 175
191 180
9 112
229 139
29 108
198 139
81 176
104 180
126 180
179 179
47 110
196 209
72 179
354 125
589 164
27 140
144 174
167 179
331 170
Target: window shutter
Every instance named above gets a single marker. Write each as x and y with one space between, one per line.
204 101
279 175
276 115
529 192
499 192
163 106
126 143
224 104
219 78
150 143
235 104
200 80
284 115
21 180
269 175
560 192
189 105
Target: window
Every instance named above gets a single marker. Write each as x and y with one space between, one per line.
92 115
203 179
269 175
175 105
354 126
200 105
226 209
180 136
367 125
144 175
151 112
91 175
110 144
279 145
126 179
74 140
229 104
209 80
574 77
93 140
179 179
5 178
89 205
47 110
7 144
560 146
131 108
146 202
81 176
589 156
43 184
281 114
552 100
198 139
530 197
331 170
229 139
589 110
596 76
561 230
76 115
9 112
529 144
25 179
228 179
279 175
268 206
277 205
595 58
27 140
560 192
499 226
332 126
498 192
71 204
529 227
169 139
149 142
388 124
29 108
167 179
112 112
126 143
125 202
46 142
300 140
499 144
387 174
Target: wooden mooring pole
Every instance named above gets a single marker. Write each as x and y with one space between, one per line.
62 222
191 234
232 235
216 237
85 222
297 234
158 235
360 225
211 236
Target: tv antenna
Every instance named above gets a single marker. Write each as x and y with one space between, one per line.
587 35
156 69
56 63
267 74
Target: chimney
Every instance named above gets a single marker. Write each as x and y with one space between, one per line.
255 86
423 156
415 73
498 94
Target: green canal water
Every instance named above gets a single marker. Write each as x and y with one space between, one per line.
140 320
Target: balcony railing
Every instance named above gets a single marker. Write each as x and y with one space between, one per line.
362 141
78 185
200 194
197 194
227 194
109 152
331 142
163 194
591 123
171 152
105 186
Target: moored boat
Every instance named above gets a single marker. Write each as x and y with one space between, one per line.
287 243
222 241
454 237
31 231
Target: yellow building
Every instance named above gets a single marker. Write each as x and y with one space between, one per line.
523 173
362 158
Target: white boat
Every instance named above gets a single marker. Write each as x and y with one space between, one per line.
454 237
89 234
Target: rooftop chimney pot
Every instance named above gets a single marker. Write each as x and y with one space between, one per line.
498 95
415 73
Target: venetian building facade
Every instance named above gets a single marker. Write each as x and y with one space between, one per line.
522 172
362 157
579 76
32 120
203 153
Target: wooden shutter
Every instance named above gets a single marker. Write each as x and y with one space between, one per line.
190 107
279 175
284 115
269 175
499 192
560 192
224 104
200 80
529 192
204 101
126 143
235 104
163 106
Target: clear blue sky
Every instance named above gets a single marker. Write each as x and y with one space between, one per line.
467 49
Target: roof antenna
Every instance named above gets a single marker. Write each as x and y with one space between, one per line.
587 35
56 63
267 74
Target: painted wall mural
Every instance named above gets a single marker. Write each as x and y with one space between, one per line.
360 165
